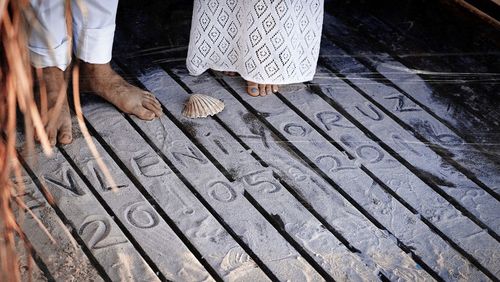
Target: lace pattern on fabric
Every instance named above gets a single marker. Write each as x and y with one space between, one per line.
265 41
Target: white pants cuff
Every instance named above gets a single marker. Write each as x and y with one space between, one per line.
94 46
58 57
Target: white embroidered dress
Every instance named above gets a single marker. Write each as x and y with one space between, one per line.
265 41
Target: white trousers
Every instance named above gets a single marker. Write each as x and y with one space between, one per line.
93 32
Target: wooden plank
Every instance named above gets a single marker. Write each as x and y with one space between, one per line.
214 243
284 208
317 150
430 255
411 189
288 166
440 103
381 248
96 228
472 158
226 197
64 259
415 41
416 32
435 171
270 194
150 230
29 270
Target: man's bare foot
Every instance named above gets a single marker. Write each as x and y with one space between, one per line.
58 125
255 89
102 80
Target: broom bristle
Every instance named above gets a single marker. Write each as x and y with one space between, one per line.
17 94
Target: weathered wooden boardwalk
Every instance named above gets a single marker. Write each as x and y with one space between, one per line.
385 167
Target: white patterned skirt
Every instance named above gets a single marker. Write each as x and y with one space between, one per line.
265 41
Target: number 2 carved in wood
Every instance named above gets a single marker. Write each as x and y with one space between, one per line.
98 230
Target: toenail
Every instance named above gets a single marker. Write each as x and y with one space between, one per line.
254 90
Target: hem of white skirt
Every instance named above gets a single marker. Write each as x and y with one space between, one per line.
282 82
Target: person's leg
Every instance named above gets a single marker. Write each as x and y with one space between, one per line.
49 50
93 29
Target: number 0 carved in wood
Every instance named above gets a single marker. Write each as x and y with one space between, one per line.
222 192
332 163
148 220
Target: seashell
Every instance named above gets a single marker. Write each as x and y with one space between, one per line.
235 259
201 106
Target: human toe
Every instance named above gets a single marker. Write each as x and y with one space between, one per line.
154 107
269 89
64 136
252 89
262 90
51 135
144 113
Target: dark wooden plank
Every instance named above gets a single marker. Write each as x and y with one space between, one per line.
443 103
214 243
441 50
435 26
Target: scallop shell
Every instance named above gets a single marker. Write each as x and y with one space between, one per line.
201 106
236 258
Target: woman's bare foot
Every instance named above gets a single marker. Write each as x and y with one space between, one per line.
230 73
58 125
102 80
255 89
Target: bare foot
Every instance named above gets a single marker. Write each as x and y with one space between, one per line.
230 73
102 80
255 89
58 125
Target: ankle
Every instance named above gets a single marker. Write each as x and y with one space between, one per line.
89 68
92 75
52 73
54 79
